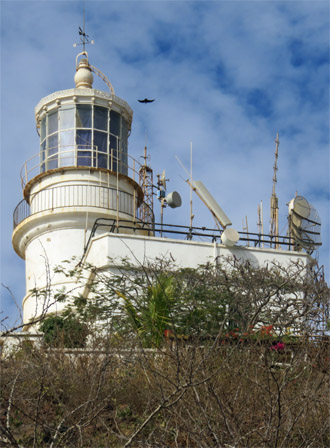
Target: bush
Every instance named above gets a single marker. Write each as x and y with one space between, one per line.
64 331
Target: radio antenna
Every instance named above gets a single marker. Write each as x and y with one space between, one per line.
274 200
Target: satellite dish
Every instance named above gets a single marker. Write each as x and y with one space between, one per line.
305 224
174 199
162 180
229 237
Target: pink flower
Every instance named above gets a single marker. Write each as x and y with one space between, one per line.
278 346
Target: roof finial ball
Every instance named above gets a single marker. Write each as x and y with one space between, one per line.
83 77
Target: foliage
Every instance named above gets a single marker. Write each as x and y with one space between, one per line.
182 395
202 303
224 356
64 331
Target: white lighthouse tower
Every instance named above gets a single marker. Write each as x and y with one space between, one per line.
86 201
81 172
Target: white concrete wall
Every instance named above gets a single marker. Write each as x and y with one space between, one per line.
138 249
107 251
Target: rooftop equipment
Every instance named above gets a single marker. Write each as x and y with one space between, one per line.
229 236
304 224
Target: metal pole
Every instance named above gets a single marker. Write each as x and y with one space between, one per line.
191 189
161 216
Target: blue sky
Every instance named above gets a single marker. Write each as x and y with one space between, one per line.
226 75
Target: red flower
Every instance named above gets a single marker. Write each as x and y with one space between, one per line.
278 347
168 333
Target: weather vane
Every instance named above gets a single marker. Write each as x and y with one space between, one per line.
84 38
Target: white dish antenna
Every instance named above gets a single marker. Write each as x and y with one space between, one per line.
173 199
229 237
162 180
305 223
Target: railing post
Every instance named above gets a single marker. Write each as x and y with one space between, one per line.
134 204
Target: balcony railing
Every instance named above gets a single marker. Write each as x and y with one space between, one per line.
66 196
79 156
202 234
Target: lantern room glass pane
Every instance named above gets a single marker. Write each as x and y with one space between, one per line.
124 131
84 139
52 143
102 160
113 142
113 151
84 116
43 129
100 118
100 141
114 123
84 143
52 155
124 160
42 157
123 155
67 148
52 122
67 117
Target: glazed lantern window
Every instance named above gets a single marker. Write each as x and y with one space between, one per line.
85 135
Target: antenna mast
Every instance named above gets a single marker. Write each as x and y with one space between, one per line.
146 210
261 223
191 190
274 200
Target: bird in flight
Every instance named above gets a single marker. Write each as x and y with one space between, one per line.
145 101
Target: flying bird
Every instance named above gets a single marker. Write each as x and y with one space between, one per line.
145 101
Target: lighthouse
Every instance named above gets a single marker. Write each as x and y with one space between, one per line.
81 172
87 202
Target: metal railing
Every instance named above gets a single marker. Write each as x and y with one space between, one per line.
66 196
65 156
95 196
188 233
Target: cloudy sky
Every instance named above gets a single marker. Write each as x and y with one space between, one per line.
226 75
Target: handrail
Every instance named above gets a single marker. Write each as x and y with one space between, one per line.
160 229
78 155
94 196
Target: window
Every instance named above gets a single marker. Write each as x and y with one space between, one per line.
52 123
83 135
114 123
100 118
84 116
84 144
67 117
66 147
100 142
